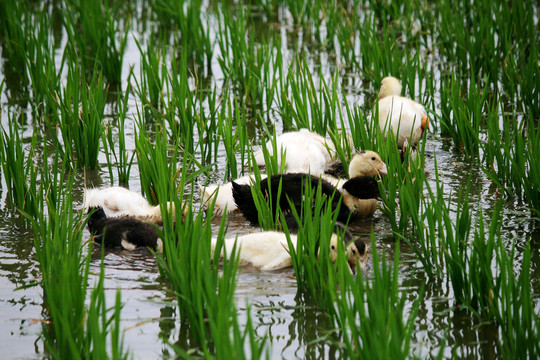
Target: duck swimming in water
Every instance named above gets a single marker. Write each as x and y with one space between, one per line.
302 151
345 199
404 117
269 250
117 201
122 232
365 163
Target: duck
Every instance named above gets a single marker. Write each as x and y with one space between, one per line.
302 151
344 199
222 195
122 232
364 163
269 250
406 118
117 201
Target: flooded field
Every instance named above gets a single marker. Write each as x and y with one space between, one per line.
202 83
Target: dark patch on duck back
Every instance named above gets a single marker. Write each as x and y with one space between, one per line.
110 232
292 190
337 169
362 187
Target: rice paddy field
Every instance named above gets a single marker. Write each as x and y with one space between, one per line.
166 97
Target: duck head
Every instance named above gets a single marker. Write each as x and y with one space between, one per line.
389 86
357 252
355 249
367 163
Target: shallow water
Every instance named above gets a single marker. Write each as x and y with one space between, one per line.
294 328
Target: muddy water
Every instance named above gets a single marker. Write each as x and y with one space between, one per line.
293 327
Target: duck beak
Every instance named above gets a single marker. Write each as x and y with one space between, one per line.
352 265
383 169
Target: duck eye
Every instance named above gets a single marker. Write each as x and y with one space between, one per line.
373 158
354 251
333 247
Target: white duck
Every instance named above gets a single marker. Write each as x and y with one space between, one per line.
303 151
269 250
223 194
117 201
406 118
366 163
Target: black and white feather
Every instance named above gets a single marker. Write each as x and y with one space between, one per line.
122 232
344 199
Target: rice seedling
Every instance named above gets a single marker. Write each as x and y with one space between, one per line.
241 60
79 118
300 106
18 167
71 330
232 129
155 164
195 36
430 229
311 259
58 244
194 126
462 115
530 93
479 266
14 28
153 75
116 145
405 184
513 306
103 331
363 131
204 284
302 11
43 72
92 29
510 157
374 316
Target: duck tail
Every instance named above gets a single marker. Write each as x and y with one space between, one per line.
244 201
425 124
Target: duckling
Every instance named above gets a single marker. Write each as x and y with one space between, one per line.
117 201
360 187
365 163
303 151
122 232
269 250
406 118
